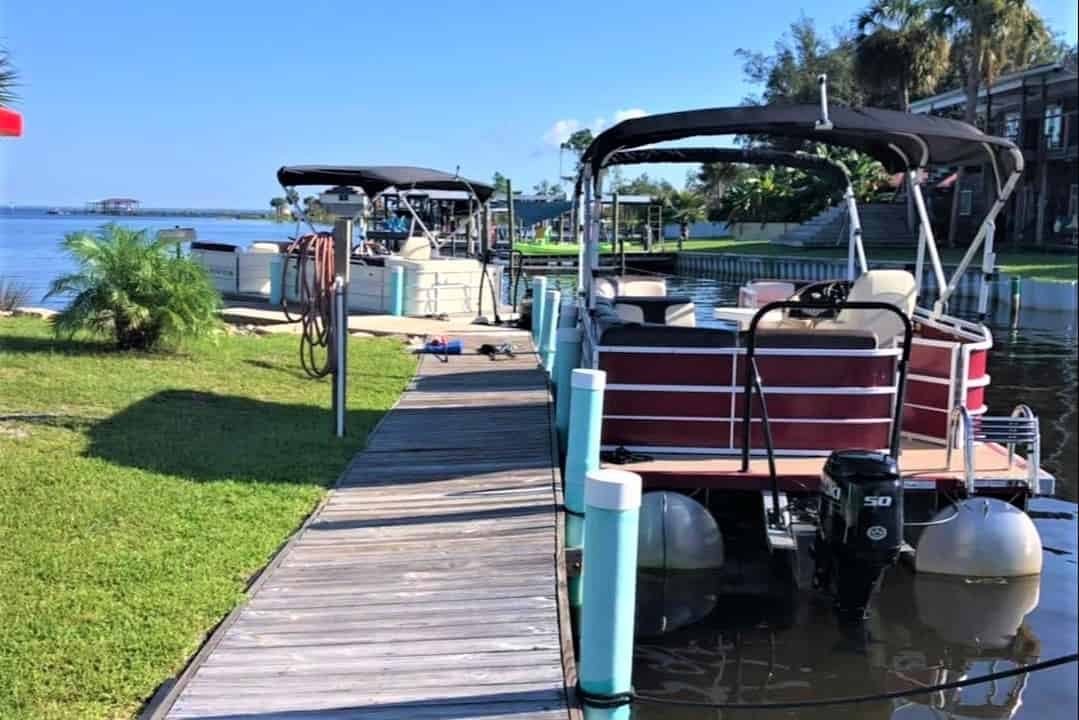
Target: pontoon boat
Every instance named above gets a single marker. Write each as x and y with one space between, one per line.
835 424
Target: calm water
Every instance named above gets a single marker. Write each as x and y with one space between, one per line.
754 649
30 240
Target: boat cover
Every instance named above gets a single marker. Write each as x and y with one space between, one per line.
899 140
374 179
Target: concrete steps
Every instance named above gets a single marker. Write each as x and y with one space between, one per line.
882 224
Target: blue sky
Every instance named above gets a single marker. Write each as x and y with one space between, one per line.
196 104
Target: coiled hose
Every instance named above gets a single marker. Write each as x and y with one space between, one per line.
315 299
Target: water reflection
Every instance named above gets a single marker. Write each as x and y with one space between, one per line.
926 630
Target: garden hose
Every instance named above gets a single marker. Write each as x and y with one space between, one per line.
314 298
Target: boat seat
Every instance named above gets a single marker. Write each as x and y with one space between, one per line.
415 248
816 339
666 310
759 293
896 287
605 288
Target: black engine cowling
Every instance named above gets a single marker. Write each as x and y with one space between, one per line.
861 527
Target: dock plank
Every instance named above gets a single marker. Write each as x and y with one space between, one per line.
428 585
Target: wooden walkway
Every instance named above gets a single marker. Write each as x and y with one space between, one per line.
428 585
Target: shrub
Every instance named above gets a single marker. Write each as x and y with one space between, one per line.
13 293
131 287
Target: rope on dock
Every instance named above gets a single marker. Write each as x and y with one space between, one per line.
855 699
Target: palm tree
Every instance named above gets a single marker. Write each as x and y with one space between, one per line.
8 79
129 285
898 49
983 31
685 207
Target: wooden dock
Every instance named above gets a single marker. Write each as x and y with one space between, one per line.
430 584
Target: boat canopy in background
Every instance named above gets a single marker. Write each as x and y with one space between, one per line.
898 140
375 179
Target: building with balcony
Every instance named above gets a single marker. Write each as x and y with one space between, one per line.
1036 108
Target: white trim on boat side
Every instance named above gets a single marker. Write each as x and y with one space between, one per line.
768 389
792 421
780 352
684 450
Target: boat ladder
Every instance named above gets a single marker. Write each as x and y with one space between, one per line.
1018 429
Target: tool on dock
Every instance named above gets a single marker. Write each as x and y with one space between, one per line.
493 351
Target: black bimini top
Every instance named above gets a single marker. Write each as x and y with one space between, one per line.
374 179
898 140
829 169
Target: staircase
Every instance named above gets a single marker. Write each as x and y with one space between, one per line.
882 224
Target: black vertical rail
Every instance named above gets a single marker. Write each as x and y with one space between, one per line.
753 379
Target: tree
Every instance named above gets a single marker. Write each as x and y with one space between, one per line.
8 79
548 190
898 52
685 207
801 55
135 289
577 143
500 182
644 185
712 181
989 36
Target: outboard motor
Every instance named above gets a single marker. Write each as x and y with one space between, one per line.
861 527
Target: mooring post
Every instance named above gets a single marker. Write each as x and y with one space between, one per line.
612 513
397 291
582 455
549 334
567 355
539 295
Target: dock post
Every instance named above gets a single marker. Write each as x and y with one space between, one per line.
567 355
613 504
549 331
397 291
582 455
539 296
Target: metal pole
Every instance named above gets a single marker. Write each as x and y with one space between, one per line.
619 240
510 215
919 263
342 254
931 245
340 346
612 517
988 260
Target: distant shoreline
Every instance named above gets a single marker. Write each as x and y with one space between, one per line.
226 213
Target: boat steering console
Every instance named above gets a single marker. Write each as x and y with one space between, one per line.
831 292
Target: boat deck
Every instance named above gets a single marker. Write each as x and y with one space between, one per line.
923 466
430 584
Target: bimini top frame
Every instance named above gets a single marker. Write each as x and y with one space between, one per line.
376 179
830 170
902 142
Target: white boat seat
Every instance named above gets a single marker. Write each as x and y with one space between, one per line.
415 248
895 287
760 293
666 310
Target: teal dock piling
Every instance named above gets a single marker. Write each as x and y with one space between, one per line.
539 296
276 289
582 455
612 514
397 291
567 355
549 332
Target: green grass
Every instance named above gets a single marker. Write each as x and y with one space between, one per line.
140 493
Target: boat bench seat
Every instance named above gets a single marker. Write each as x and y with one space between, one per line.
615 331
664 310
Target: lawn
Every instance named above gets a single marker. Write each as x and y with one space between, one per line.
141 492
704 244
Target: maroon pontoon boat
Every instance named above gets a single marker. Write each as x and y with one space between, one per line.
834 420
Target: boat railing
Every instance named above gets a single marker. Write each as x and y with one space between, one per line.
1019 428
